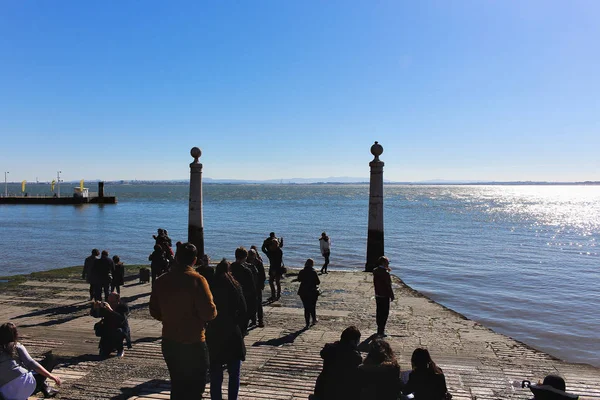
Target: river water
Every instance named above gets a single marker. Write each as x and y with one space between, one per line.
522 260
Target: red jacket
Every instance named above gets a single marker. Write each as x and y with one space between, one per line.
383 283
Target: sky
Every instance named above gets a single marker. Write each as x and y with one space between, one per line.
458 90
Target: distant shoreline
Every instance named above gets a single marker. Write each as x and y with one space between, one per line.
284 182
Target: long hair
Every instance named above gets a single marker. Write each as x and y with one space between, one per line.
222 273
421 360
381 353
8 339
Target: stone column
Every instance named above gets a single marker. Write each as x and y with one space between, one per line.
195 221
375 228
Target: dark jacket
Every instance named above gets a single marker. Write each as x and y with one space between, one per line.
338 380
261 275
224 334
88 265
243 274
119 275
426 385
379 382
158 261
382 281
207 272
113 328
102 271
275 260
309 280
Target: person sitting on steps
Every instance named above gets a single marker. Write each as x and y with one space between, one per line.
17 381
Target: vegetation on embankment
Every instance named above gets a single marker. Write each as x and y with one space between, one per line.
71 274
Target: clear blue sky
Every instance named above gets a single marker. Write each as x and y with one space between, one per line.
491 90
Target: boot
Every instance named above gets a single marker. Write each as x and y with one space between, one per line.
48 391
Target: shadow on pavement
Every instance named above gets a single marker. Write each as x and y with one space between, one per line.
287 339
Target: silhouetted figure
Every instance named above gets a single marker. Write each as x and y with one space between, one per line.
253 247
113 328
426 380
205 269
379 375
553 388
260 276
384 293
88 265
158 262
275 255
17 381
325 246
224 335
118 278
339 378
243 274
309 291
272 238
102 273
182 300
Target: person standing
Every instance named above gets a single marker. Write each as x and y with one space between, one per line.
257 263
102 273
243 274
325 245
384 293
118 278
224 334
158 262
275 256
272 238
88 265
182 300
309 291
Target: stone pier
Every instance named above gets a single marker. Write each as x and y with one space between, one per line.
283 359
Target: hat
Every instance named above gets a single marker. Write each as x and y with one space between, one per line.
553 388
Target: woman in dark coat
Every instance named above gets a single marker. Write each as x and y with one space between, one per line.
309 291
379 375
426 381
224 334
118 278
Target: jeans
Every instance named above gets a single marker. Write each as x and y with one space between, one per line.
116 288
187 364
326 255
275 281
383 311
259 306
310 308
216 380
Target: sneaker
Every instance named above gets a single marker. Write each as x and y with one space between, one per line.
261 324
315 321
120 353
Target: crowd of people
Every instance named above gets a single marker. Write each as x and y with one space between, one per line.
206 312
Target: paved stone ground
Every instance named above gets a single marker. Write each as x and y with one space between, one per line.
283 360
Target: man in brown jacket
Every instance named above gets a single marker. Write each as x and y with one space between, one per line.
382 281
182 300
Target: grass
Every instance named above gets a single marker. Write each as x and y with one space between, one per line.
66 273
